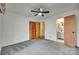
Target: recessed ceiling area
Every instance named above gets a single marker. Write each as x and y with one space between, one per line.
54 8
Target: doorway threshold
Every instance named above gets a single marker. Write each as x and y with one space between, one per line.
61 41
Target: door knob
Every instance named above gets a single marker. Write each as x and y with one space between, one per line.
73 32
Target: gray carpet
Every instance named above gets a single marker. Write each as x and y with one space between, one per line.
39 47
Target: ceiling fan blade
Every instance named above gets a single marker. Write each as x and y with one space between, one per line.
35 14
38 9
45 12
34 11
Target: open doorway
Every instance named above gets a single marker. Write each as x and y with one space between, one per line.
60 29
66 30
36 30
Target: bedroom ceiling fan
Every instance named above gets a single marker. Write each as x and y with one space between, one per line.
40 12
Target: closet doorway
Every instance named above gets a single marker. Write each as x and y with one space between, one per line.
36 30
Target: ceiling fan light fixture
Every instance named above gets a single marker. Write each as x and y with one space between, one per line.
39 14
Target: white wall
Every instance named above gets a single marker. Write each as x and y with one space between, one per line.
0 28
15 28
0 31
50 28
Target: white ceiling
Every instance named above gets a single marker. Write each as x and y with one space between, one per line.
54 8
